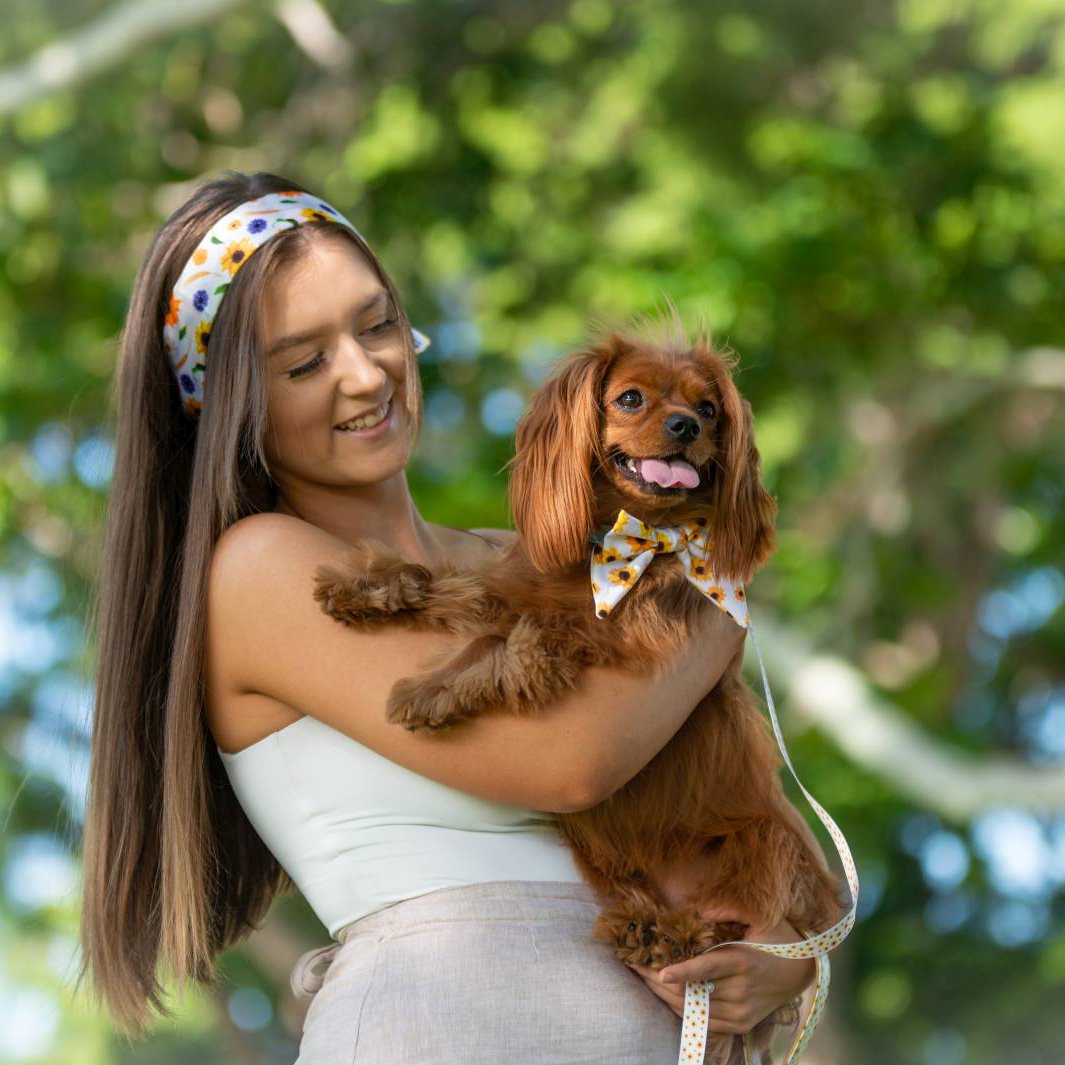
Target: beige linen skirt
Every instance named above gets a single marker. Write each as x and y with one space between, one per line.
482 974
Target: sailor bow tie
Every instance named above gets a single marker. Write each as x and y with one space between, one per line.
631 545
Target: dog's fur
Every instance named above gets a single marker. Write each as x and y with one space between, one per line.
711 800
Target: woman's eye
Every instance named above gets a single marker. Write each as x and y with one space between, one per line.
299 371
382 327
630 399
706 409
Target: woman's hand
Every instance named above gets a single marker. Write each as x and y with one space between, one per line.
748 984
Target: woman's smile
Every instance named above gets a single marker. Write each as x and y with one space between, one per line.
381 421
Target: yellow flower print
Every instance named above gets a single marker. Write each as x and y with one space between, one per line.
739 594
203 335
607 555
315 216
717 594
235 224
603 611
236 255
701 570
199 256
626 576
636 545
172 313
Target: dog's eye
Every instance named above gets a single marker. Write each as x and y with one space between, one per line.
706 409
630 399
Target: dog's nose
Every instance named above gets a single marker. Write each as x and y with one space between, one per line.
648 938
683 427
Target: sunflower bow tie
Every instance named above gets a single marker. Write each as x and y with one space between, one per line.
630 546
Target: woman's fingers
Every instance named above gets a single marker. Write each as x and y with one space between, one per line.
717 965
673 995
674 1001
726 1017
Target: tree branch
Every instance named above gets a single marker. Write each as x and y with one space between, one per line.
876 735
100 45
310 26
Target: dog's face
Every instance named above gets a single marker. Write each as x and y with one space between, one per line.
661 421
656 429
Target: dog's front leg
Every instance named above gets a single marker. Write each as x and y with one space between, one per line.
521 669
373 586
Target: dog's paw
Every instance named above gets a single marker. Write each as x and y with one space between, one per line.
630 924
419 705
683 933
369 601
677 933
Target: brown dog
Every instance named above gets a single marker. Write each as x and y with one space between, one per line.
654 426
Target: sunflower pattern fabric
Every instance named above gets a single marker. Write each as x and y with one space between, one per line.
627 550
630 547
228 245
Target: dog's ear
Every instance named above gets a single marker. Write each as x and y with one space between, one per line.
557 442
743 512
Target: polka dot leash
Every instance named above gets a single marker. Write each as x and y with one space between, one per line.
695 1028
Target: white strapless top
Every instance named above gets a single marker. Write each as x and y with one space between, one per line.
357 832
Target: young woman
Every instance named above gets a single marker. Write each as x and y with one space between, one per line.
267 400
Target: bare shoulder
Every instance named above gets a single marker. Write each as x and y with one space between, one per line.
241 710
260 538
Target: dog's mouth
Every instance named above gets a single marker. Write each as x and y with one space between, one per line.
669 475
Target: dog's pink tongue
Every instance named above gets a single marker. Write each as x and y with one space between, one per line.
669 474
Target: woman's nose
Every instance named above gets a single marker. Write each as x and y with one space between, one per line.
359 374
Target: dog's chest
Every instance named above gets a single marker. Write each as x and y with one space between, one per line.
664 585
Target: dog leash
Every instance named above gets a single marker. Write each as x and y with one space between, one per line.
620 556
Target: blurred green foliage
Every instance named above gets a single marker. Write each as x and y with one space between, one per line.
866 200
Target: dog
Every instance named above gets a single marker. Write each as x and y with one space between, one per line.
653 425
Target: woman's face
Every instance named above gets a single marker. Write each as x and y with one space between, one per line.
334 352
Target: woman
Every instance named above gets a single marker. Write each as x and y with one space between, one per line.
239 741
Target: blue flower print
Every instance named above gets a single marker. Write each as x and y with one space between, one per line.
199 301
256 225
187 383
325 207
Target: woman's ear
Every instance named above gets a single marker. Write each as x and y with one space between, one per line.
558 439
743 512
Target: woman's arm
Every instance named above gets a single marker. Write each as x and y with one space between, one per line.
279 643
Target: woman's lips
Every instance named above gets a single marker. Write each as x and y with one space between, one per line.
379 429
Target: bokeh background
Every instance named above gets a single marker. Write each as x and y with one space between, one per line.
867 201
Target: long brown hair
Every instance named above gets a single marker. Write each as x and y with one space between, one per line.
174 872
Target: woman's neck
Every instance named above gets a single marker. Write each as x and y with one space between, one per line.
384 512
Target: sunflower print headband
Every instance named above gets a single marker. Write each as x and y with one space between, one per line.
228 245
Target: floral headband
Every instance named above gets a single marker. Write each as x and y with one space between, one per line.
223 251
